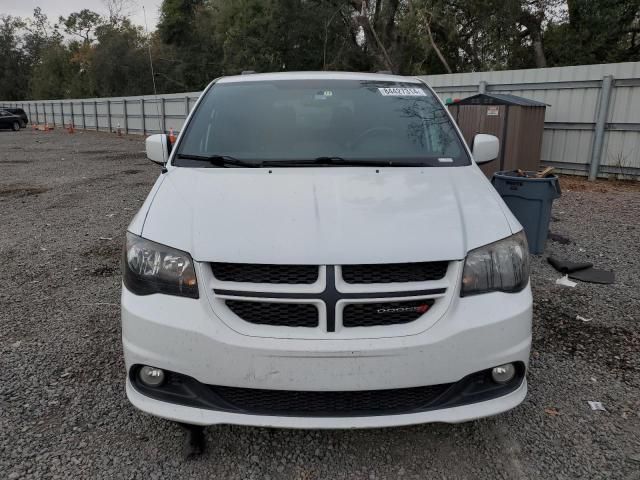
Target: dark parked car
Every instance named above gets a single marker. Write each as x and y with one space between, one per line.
19 113
9 120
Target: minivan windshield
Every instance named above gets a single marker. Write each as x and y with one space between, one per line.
350 121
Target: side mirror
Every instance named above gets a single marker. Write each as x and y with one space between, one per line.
158 148
485 148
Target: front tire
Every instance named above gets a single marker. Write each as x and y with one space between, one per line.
15 126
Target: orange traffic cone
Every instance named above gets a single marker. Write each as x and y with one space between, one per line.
172 137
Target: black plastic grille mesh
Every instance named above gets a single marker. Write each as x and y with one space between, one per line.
367 402
394 272
381 314
276 314
264 273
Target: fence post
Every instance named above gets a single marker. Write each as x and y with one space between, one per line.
44 111
163 126
84 123
73 118
482 86
143 125
109 114
95 113
601 122
62 114
186 107
124 114
30 117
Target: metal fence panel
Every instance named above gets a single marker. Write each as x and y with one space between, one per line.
572 132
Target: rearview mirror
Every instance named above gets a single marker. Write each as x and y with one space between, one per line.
485 148
158 148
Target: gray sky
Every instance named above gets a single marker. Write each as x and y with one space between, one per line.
55 8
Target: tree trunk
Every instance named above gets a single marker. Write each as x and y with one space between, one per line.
385 55
538 50
436 49
533 24
362 9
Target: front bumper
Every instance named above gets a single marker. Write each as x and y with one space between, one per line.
200 416
183 335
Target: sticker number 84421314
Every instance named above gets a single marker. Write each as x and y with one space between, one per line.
402 92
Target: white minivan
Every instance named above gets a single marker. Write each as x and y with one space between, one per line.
321 250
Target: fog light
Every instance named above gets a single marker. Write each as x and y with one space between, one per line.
503 373
151 376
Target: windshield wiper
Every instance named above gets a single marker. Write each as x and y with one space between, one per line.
219 160
339 161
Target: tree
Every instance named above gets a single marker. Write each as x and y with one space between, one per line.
199 40
82 24
595 32
120 62
14 64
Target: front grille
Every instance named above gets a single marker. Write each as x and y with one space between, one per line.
394 272
382 314
265 273
276 314
365 402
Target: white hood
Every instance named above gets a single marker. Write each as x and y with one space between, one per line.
333 215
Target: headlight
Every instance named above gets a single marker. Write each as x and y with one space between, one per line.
502 266
150 267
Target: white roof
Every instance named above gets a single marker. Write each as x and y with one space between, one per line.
256 77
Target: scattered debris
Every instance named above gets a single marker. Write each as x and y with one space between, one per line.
553 411
594 275
16 344
564 281
106 238
556 237
596 406
582 319
565 266
544 173
582 271
634 457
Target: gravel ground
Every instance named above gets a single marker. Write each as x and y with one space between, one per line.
65 201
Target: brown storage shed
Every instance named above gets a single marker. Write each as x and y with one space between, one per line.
518 123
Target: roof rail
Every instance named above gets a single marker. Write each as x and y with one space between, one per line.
248 72
385 72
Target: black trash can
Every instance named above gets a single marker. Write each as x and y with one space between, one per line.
529 199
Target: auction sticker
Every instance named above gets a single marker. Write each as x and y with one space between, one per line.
402 92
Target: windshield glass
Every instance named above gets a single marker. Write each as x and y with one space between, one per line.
298 120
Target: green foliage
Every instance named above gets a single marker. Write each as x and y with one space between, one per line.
14 64
595 30
199 40
119 62
82 24
176 21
